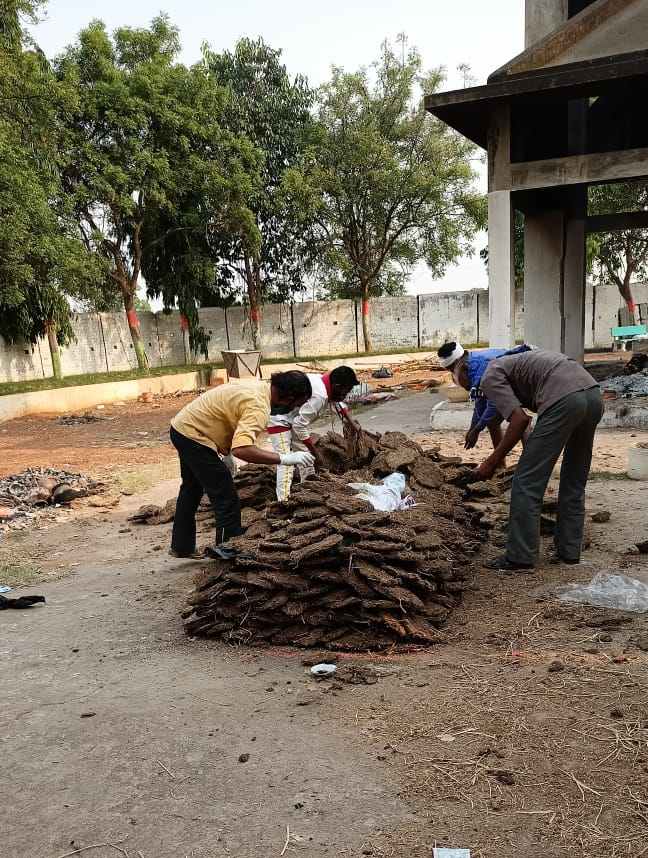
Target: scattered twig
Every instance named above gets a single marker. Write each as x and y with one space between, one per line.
283 851
98 846
582 786
160 763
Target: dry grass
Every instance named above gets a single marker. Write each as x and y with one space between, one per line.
500 755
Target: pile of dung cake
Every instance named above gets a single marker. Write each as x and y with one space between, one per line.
326 570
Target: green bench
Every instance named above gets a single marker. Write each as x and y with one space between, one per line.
626 334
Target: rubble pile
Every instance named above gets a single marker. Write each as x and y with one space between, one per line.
635 384
325 569
80 419
21 495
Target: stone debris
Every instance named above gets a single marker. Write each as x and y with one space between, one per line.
628 385
81 419
324 569
24 496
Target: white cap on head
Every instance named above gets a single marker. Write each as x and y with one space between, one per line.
453 357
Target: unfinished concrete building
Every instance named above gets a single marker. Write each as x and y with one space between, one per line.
568 112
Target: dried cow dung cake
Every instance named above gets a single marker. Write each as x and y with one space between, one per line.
326 570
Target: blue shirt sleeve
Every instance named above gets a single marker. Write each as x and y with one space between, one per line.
484 412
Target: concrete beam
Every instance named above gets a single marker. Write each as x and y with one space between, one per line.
617 222
549 34
578 170
501 270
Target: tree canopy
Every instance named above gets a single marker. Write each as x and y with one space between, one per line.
272 111
385 185
41 259
149 168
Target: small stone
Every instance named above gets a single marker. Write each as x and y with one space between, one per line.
244 758
125 529
620 659
617 712
88 714
602 517
592 650
605 637
556 666
75 649
270 688
367 851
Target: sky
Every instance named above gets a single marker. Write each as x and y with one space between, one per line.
316 36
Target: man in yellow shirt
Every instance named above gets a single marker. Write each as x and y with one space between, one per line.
227 421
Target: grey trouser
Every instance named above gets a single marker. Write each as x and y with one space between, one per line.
567 425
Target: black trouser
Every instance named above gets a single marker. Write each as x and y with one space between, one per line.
203 472
568 427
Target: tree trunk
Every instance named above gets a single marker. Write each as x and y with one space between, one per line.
54 349
627 289
134 328
253 277
366 335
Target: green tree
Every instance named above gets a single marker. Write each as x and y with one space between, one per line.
143 142
622 256
386 184
273 112
41 260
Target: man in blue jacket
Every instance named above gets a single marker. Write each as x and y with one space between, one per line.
467 369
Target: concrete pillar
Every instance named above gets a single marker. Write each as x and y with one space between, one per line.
543 241
554 281
573 288
501 270
543 17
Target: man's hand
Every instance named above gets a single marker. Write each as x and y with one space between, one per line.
471 438
485 471
301 459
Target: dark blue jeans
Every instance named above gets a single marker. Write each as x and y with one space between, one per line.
203 472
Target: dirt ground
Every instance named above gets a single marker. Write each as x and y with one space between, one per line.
525 735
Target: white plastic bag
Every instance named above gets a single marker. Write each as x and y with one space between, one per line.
608 591
386 497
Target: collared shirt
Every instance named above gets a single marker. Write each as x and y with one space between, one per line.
232 415
477 364
535 380
300 419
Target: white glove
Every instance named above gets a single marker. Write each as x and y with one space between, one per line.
304 460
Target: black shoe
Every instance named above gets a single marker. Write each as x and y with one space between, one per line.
194 555
503 564
559 560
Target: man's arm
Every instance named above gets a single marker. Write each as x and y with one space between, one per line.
301 424
518 424
251 423
255 455
345 415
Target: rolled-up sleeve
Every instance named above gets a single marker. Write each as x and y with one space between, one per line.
496 387
307 413
252 422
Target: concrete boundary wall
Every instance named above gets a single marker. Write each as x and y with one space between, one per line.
103 342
